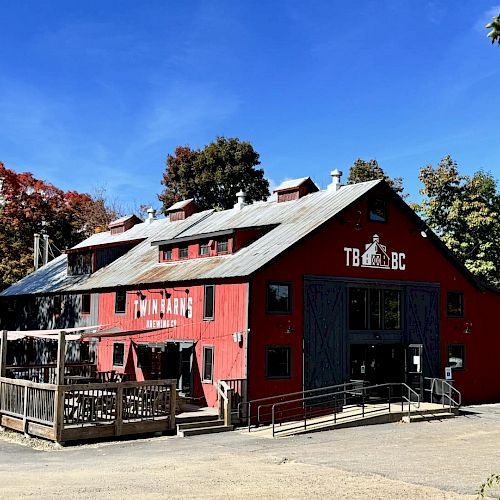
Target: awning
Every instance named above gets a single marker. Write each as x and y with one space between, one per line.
53 334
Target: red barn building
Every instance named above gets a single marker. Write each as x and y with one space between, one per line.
308 290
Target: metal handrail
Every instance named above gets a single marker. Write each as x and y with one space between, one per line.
249 404
344 393
452 402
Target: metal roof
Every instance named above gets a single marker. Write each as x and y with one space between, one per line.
293 220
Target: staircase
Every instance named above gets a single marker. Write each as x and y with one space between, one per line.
428 415
208 424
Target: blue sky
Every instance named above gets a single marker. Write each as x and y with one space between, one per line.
96 93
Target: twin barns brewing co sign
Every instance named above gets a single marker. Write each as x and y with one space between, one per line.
375 255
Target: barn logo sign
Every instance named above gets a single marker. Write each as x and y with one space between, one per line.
375 256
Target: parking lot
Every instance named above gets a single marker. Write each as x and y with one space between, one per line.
440 459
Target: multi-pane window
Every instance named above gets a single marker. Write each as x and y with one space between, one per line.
209 302
279 298
85 309
278 361
167 253
377 210
183 252
374 309
118 353
208 364
222 245
455 304
204 247
120 301
456 356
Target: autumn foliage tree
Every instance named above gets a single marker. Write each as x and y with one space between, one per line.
213 175
28 206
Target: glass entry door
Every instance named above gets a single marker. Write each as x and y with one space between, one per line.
377 363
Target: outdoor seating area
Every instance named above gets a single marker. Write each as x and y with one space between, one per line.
76 402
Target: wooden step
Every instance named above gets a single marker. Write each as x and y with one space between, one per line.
195 425
195 418
205 430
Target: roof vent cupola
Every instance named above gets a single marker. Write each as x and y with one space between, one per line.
182 210
151 215
240 195
336 176
295 189
123 224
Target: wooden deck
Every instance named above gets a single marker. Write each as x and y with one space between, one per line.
87 411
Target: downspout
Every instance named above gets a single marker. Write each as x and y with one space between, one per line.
247 339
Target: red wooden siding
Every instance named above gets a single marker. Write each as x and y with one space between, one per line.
323 254
230 317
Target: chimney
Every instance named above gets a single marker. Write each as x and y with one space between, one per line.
241 200
151 215
36 251
335 185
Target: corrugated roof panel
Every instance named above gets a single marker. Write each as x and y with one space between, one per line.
294 220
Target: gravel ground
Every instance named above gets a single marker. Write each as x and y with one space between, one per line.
442 460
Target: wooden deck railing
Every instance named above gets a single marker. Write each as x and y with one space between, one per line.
87 411
47 373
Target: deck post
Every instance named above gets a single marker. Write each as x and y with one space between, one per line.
59 414
119 410
61 357
172 403
227 407
3 354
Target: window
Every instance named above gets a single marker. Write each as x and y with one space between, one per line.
278 361
208 363
120 302
455 304
377 210
183 252
279 298
57 306
209 302
204 248
222 245
118 353
374 309
167 253
456 356
85 309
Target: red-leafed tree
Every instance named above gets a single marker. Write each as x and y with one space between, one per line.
28 206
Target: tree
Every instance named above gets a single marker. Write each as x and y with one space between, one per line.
28 206
465 212
362 171
213 175
494 34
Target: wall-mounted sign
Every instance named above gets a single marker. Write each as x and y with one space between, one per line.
154 311
375 255
448 374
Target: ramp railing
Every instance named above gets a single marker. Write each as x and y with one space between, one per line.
340 405
259 411
442 391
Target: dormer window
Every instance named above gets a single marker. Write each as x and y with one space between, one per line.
204 247
183 252
167 253
222 245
